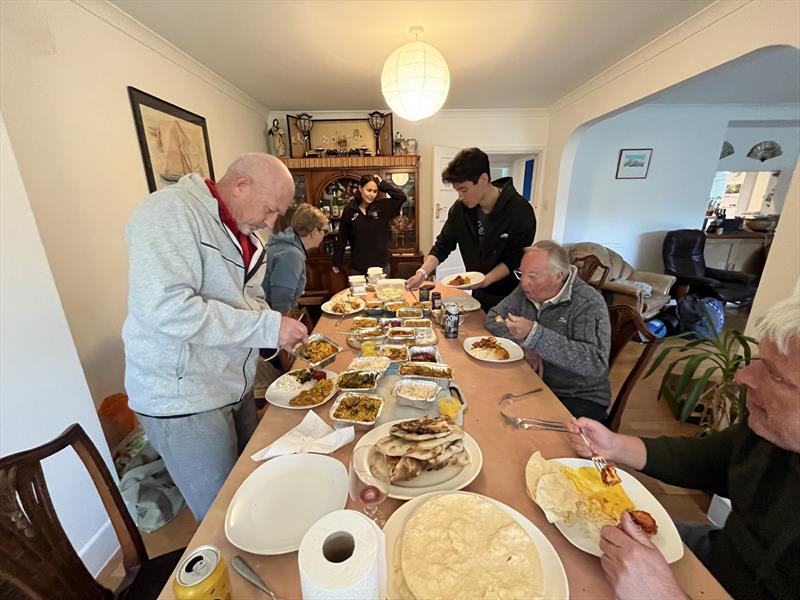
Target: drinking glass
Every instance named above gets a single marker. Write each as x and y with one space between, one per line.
369 481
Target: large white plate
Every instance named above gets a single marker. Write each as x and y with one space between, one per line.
668 540
474 279
281 399
444 480
556 585
467 303
277 503
514 352
326 307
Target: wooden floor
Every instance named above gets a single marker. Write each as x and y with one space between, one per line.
644 416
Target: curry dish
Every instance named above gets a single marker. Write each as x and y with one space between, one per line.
357 408
459 280
426 370
317 350
313 396
358 380
395 352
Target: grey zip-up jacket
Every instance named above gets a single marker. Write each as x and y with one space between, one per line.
195 314
572 335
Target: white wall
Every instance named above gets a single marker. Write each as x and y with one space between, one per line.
500 131
42 387
633 215
66 67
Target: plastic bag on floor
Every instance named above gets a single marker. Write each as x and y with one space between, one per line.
147 487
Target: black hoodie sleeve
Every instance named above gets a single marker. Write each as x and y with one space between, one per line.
396 199
521 236
343 236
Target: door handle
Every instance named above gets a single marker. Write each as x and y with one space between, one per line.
438 210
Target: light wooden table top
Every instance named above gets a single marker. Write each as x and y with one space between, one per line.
505 453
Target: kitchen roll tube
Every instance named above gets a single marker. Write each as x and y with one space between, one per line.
343 556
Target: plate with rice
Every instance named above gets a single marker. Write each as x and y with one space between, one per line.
491 349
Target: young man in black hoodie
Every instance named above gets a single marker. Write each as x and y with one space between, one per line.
491 224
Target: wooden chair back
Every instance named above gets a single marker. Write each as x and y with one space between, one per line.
625 324
37 559
587 268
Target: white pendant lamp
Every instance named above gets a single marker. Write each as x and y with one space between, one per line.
415 79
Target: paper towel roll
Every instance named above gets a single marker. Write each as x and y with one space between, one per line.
343 556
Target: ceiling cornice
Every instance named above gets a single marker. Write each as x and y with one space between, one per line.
123 22
692 26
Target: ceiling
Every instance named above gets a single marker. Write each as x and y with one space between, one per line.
321 55
766 76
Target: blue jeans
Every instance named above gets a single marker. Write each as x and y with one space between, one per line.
200 450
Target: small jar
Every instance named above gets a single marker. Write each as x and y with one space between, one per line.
436 300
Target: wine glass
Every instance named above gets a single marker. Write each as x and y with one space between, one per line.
369 481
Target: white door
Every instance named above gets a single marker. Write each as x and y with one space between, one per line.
443 198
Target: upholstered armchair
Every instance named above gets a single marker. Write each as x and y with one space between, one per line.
624 284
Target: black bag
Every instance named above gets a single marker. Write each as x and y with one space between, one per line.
703 317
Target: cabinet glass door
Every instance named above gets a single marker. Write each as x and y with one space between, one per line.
404 225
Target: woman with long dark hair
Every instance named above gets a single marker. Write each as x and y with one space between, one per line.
364 225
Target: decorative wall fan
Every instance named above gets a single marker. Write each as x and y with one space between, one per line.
727 150
765 150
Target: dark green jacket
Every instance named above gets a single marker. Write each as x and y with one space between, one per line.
757 554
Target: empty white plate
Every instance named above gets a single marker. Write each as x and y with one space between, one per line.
278 502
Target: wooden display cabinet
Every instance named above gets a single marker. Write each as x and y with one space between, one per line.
329 184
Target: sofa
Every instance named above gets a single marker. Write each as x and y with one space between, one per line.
624 284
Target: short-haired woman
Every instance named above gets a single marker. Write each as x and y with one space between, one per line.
365 225
286 257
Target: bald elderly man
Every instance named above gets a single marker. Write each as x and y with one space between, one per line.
197 317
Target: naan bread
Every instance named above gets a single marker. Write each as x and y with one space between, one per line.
404 468
394 446
426 428
464 546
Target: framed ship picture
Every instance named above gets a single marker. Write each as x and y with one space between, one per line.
173 141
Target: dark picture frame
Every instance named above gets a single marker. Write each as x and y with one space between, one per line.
323 129
173 140
634 163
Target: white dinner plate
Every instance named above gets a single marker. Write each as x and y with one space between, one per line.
473 276
281 399
556 585
466 303
668 540
447 479
277 503
514 351
326 307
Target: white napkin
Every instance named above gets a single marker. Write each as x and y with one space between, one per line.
311 435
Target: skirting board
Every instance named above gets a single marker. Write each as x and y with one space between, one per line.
100 549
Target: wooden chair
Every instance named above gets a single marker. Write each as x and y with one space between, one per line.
37 559
625 324
587 267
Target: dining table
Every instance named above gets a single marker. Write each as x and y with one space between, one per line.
505 450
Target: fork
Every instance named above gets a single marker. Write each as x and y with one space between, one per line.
528 423
598 461
508 396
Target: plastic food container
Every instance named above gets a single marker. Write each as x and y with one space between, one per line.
391 289
300 348
346 399
357 336
341 380
417 393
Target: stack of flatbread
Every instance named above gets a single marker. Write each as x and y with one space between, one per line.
425 444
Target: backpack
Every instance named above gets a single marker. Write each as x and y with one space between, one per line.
703 317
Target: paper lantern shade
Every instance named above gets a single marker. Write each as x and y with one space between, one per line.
415 81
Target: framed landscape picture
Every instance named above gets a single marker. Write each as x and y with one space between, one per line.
173 141
634 163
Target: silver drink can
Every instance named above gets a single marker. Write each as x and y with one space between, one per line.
451 317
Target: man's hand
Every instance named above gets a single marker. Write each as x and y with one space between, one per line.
416 280
618 448
633 565
535 361
518 327
291 333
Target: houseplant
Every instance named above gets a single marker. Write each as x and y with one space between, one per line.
706 382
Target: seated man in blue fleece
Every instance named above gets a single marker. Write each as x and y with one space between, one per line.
562 324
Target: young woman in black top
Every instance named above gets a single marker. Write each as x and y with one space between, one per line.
365 223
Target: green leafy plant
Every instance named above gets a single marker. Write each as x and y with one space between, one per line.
706 381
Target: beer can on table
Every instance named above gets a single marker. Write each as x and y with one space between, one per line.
452 315
436 300
203 575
